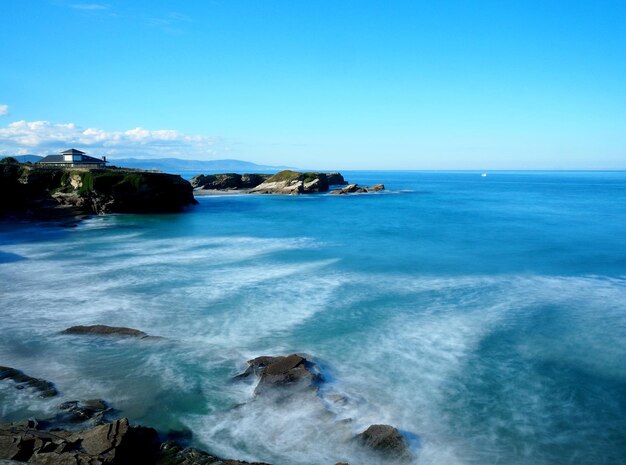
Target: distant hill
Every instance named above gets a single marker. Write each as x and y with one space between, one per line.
178 164
23 158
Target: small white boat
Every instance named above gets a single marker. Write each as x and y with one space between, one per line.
484 175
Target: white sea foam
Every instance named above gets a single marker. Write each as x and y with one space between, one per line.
412 351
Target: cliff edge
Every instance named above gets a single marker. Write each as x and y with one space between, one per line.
42 193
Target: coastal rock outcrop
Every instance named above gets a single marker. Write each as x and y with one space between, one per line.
35 191
289 182
104 330
114 443
227 181
22 381
386 440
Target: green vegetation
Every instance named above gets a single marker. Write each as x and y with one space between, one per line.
288 175
9 160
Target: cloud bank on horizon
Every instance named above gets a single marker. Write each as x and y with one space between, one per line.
45 137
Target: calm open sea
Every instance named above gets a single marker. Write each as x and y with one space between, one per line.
483 316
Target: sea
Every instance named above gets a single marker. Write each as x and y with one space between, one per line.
483 316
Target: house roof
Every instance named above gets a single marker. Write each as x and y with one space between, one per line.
87 158
60 159
72 152
52 159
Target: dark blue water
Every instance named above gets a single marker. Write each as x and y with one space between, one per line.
486 316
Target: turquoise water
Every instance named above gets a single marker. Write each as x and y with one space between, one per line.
483 316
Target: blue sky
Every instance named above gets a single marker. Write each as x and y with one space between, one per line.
320 84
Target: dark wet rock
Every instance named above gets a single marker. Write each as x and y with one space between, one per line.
256 366
115 443
282 372
386 440
377 187
171 453
22 381
93 411
103 330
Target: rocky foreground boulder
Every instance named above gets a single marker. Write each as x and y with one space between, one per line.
113 443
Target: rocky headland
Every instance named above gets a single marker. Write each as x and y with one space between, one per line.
285 182
44 193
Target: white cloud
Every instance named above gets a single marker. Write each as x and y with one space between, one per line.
89 6
44 137
4 110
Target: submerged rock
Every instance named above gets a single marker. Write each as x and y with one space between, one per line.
22 380
103 330
172 453
91 411
386 440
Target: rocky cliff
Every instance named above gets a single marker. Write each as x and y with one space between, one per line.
38 191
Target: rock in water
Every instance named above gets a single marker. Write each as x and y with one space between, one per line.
282 372
115 443
103 330
75 411
45 388
377 187
385 439
173 454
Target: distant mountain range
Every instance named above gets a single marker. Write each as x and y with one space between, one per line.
179 164
24 158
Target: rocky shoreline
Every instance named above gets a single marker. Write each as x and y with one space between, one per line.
93 432
69 195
